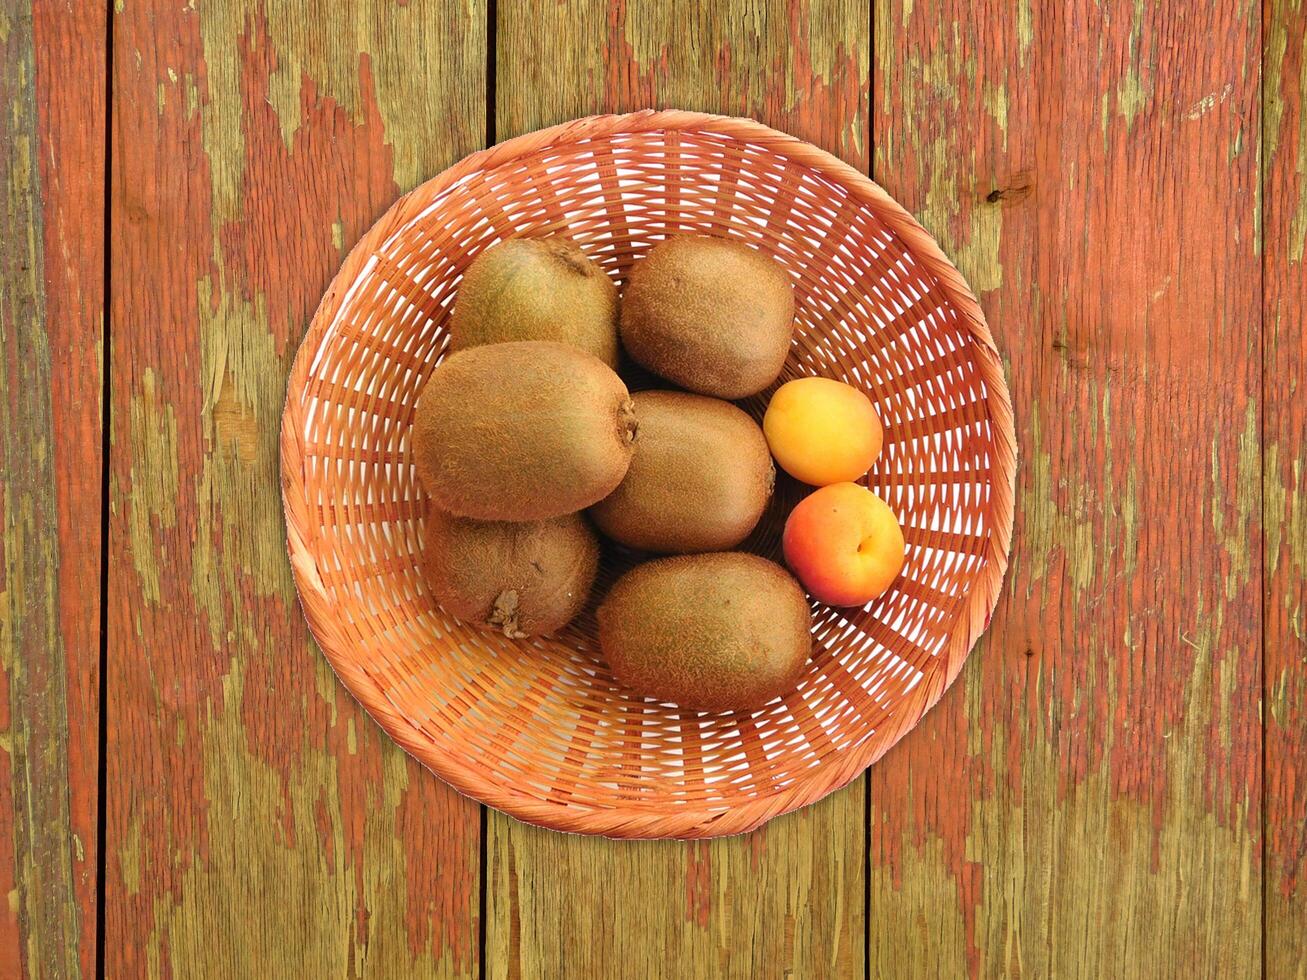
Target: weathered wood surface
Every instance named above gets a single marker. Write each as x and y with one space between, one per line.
259 824
1087 801
52 116
1116 787
1284 479
789 899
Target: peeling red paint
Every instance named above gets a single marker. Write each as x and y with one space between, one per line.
1284 472
1113 333
214 682
282 231
698 883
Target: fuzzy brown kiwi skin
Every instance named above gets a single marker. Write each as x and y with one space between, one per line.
725 631
536 289
710 314
524 579
699 482
522 431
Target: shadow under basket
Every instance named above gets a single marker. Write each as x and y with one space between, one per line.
539 729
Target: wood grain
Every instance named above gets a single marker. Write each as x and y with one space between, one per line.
1086 803
52 80
1284 476
787 900
258 823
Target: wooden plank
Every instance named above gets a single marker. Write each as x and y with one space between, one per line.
1086 803
258 823
52 80
1284 505
787 899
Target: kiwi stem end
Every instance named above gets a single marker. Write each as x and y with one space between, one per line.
627 424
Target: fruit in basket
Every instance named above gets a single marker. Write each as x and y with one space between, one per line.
699 481
522 431
536 289
716 632
526 578
709 314
822 431
844 543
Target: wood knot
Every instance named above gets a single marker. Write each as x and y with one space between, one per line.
1015 189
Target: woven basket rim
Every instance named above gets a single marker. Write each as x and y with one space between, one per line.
645 819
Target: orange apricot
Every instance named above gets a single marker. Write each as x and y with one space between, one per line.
844 544
822 431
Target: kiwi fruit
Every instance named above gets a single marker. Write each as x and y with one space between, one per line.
699 482
522 431
526 578
536 289
717 632
709 314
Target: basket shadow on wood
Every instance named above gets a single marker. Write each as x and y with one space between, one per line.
539 728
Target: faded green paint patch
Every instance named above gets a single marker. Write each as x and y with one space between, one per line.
1285 520
1274 103
1129 514
714 48
924 880
958 886
1048 528
968 227
129 857
47 912
192 96
1274 504
930 74
183 86
1131 96
245 389
1209 102
823 40
784 901
261 802
973 242
308 69
1236 148
995 99
1298 226
15 585
1091 519
326 684
1025 30
1233 532
939 75
152 423
1276 45
978 256
1132 91
246 863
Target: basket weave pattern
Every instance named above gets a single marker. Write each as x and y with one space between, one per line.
540 729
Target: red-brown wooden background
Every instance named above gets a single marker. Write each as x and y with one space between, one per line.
1116 787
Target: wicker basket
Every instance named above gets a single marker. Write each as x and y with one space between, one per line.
540 730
